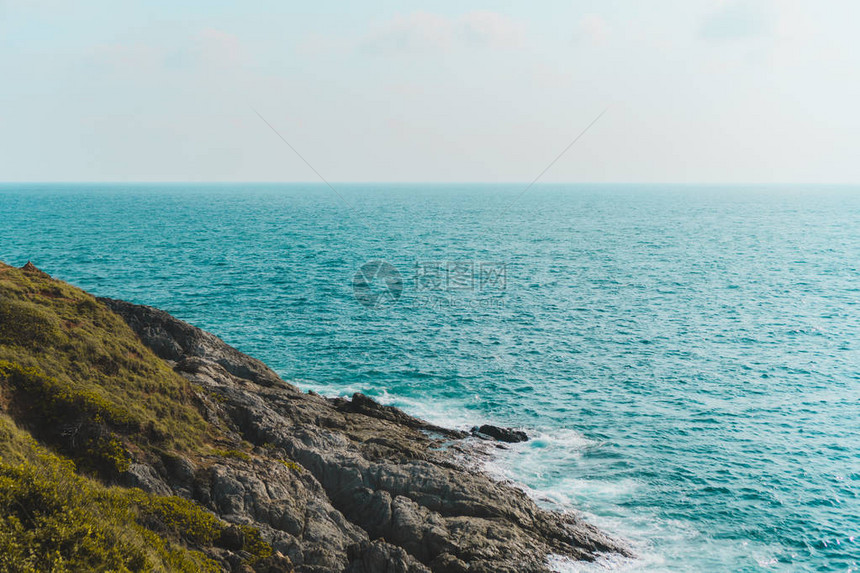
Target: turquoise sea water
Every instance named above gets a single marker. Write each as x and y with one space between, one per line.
686 358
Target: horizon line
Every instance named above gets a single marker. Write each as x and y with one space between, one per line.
362 182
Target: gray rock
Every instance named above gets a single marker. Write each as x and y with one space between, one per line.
379 556
146 478
349 485
173 340
509 435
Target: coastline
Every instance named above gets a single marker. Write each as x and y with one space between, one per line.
330 484
481 497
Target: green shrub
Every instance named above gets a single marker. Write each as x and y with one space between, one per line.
254 543
67 361
74 374
291 465
177 517
27 324
236 454
53 401
57 408
54 520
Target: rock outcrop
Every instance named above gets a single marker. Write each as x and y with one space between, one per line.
509 435
347 485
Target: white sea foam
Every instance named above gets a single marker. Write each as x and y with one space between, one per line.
527 465
449 414
613 562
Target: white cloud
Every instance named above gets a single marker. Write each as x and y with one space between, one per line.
217 47
593 29
735 20
425 31
490 29
207 49
128 60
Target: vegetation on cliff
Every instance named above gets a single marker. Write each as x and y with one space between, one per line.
76 375
132 441
81 398
52 519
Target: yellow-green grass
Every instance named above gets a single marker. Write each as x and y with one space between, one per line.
54 520
81 398
69 365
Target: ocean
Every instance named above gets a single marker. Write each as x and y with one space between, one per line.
685 358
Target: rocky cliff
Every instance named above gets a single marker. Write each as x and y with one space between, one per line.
295 481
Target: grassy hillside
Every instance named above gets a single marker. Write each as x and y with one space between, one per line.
54 520
81 399
76 374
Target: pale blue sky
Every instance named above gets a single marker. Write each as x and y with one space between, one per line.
697 91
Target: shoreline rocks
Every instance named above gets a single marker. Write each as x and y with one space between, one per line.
509 435
348 484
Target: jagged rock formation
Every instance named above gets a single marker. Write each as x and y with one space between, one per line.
502 434
346 485
223 466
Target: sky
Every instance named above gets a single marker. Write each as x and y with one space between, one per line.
694 91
